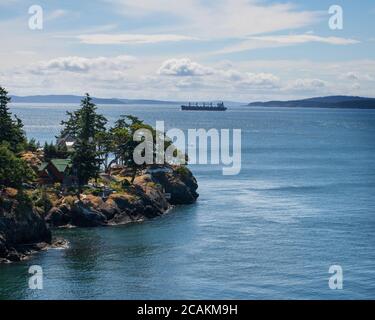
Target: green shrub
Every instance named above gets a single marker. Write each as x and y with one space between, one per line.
13 170
125 184
183 171
41 199
57 186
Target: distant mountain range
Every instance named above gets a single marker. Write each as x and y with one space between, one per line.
349 102
318 102
77 100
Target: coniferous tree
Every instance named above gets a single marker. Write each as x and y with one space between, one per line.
122 144
52 151
86 161
11 130
13 170
85 126
49 151
32 145
84 123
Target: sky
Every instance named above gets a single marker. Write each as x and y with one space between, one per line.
239 50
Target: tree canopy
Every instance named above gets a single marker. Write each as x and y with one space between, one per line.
86 126
85 123
96 147
13 170
11 130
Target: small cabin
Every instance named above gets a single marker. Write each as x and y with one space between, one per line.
68 141
57 171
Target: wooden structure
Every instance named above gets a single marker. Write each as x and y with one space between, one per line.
57 171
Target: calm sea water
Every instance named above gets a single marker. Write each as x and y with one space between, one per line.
303 201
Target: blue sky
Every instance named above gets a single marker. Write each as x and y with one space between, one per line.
240 50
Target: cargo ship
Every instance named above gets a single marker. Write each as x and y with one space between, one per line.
204 107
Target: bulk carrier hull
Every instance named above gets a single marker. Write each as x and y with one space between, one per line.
190 107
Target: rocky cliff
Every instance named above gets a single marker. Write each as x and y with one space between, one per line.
22 229
150 196
24 226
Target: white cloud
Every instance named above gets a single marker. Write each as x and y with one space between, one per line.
187 68
183 67
304 38
56 14
82 64
354 76
356 86
224 76
187 84
249 79
222 18
128 77
264 80
351 76
131 38
308 84
257 42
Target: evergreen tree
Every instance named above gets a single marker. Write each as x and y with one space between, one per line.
13 170
86 162
119 142
84 123
11 130
104 143
32 145
122 145
87 127
52 151
49 151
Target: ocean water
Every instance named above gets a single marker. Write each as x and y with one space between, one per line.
304 201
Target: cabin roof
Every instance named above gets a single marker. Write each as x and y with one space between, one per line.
43 166
61 164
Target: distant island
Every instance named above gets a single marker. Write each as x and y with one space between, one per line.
78 99
347 102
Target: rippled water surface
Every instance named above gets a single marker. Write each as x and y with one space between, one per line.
303 201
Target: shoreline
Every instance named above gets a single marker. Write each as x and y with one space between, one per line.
25 252
151 196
